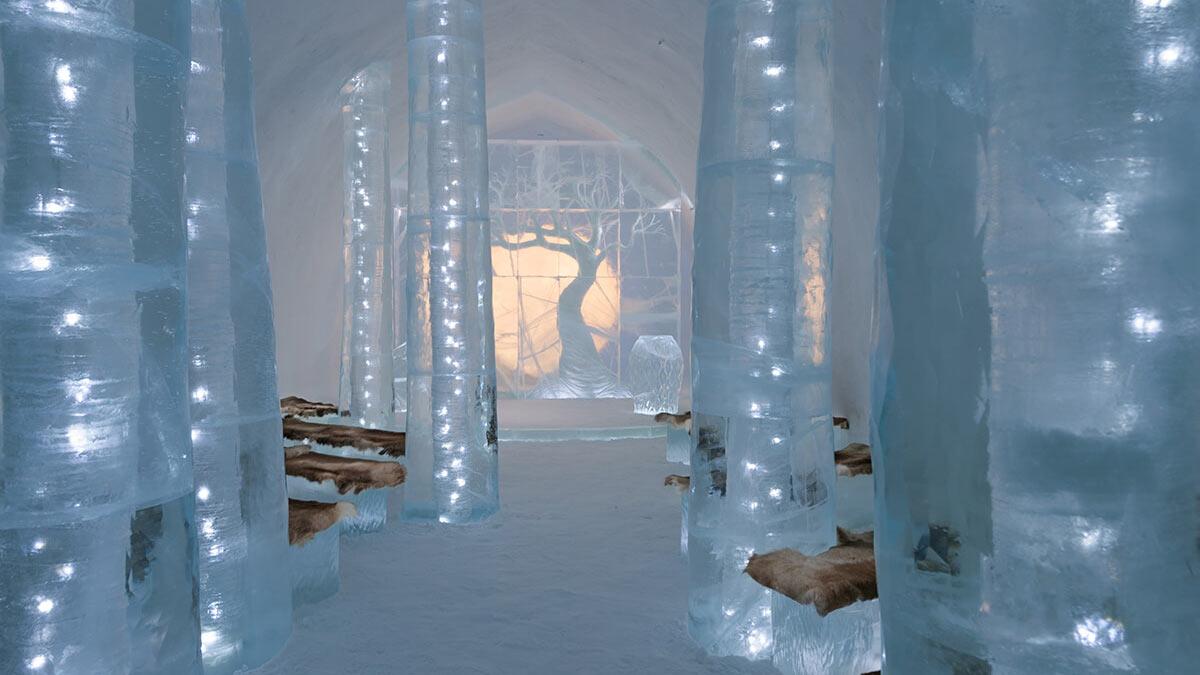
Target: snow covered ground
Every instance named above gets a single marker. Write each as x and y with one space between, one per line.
579 574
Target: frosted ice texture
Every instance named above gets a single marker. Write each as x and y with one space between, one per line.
847 641
585 250
453 472
683 528
245 604
400 318
679 446
97 555
371 505
368 218
1037 464
762 469
655 374
314 567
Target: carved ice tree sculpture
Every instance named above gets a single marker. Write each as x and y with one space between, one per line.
97 555
763 472
366 381
586 254
1038 437
241 506
655 374
453 473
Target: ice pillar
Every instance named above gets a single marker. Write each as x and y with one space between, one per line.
241 506
1037 466
762 467
366 383
452 462
97 552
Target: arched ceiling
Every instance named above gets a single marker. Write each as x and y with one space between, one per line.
632 68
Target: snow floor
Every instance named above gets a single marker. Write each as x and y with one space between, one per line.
580 573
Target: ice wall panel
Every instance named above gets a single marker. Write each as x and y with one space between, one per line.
368 219
586 251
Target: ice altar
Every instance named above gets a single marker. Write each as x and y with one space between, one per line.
762 467
1038 425
367 323
453 471
97 548
241 506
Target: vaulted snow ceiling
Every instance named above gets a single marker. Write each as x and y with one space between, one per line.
628 69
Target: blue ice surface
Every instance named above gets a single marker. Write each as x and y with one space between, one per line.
1037 459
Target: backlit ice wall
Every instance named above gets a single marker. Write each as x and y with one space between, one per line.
241 505
762 466
585 245
1037 466
453 473
368 218
97 547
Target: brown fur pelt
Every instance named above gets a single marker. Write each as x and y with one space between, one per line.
389 443
307 519
677 481
294 406
349 475
837 578
853 460
680 421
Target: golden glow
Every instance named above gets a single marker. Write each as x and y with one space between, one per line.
814 300
526 307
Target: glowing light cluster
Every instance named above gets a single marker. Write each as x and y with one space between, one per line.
235 432
451 452
96 556
367 325
761 381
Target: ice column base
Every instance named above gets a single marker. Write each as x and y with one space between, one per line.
679 446
847 641
315 568
372 505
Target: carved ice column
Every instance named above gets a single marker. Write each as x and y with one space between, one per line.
453 471
1037 469
241 507
366 382
97 551
763 470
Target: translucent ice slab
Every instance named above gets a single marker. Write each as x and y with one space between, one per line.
314 565
371 504
656 374
679 446
847 641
